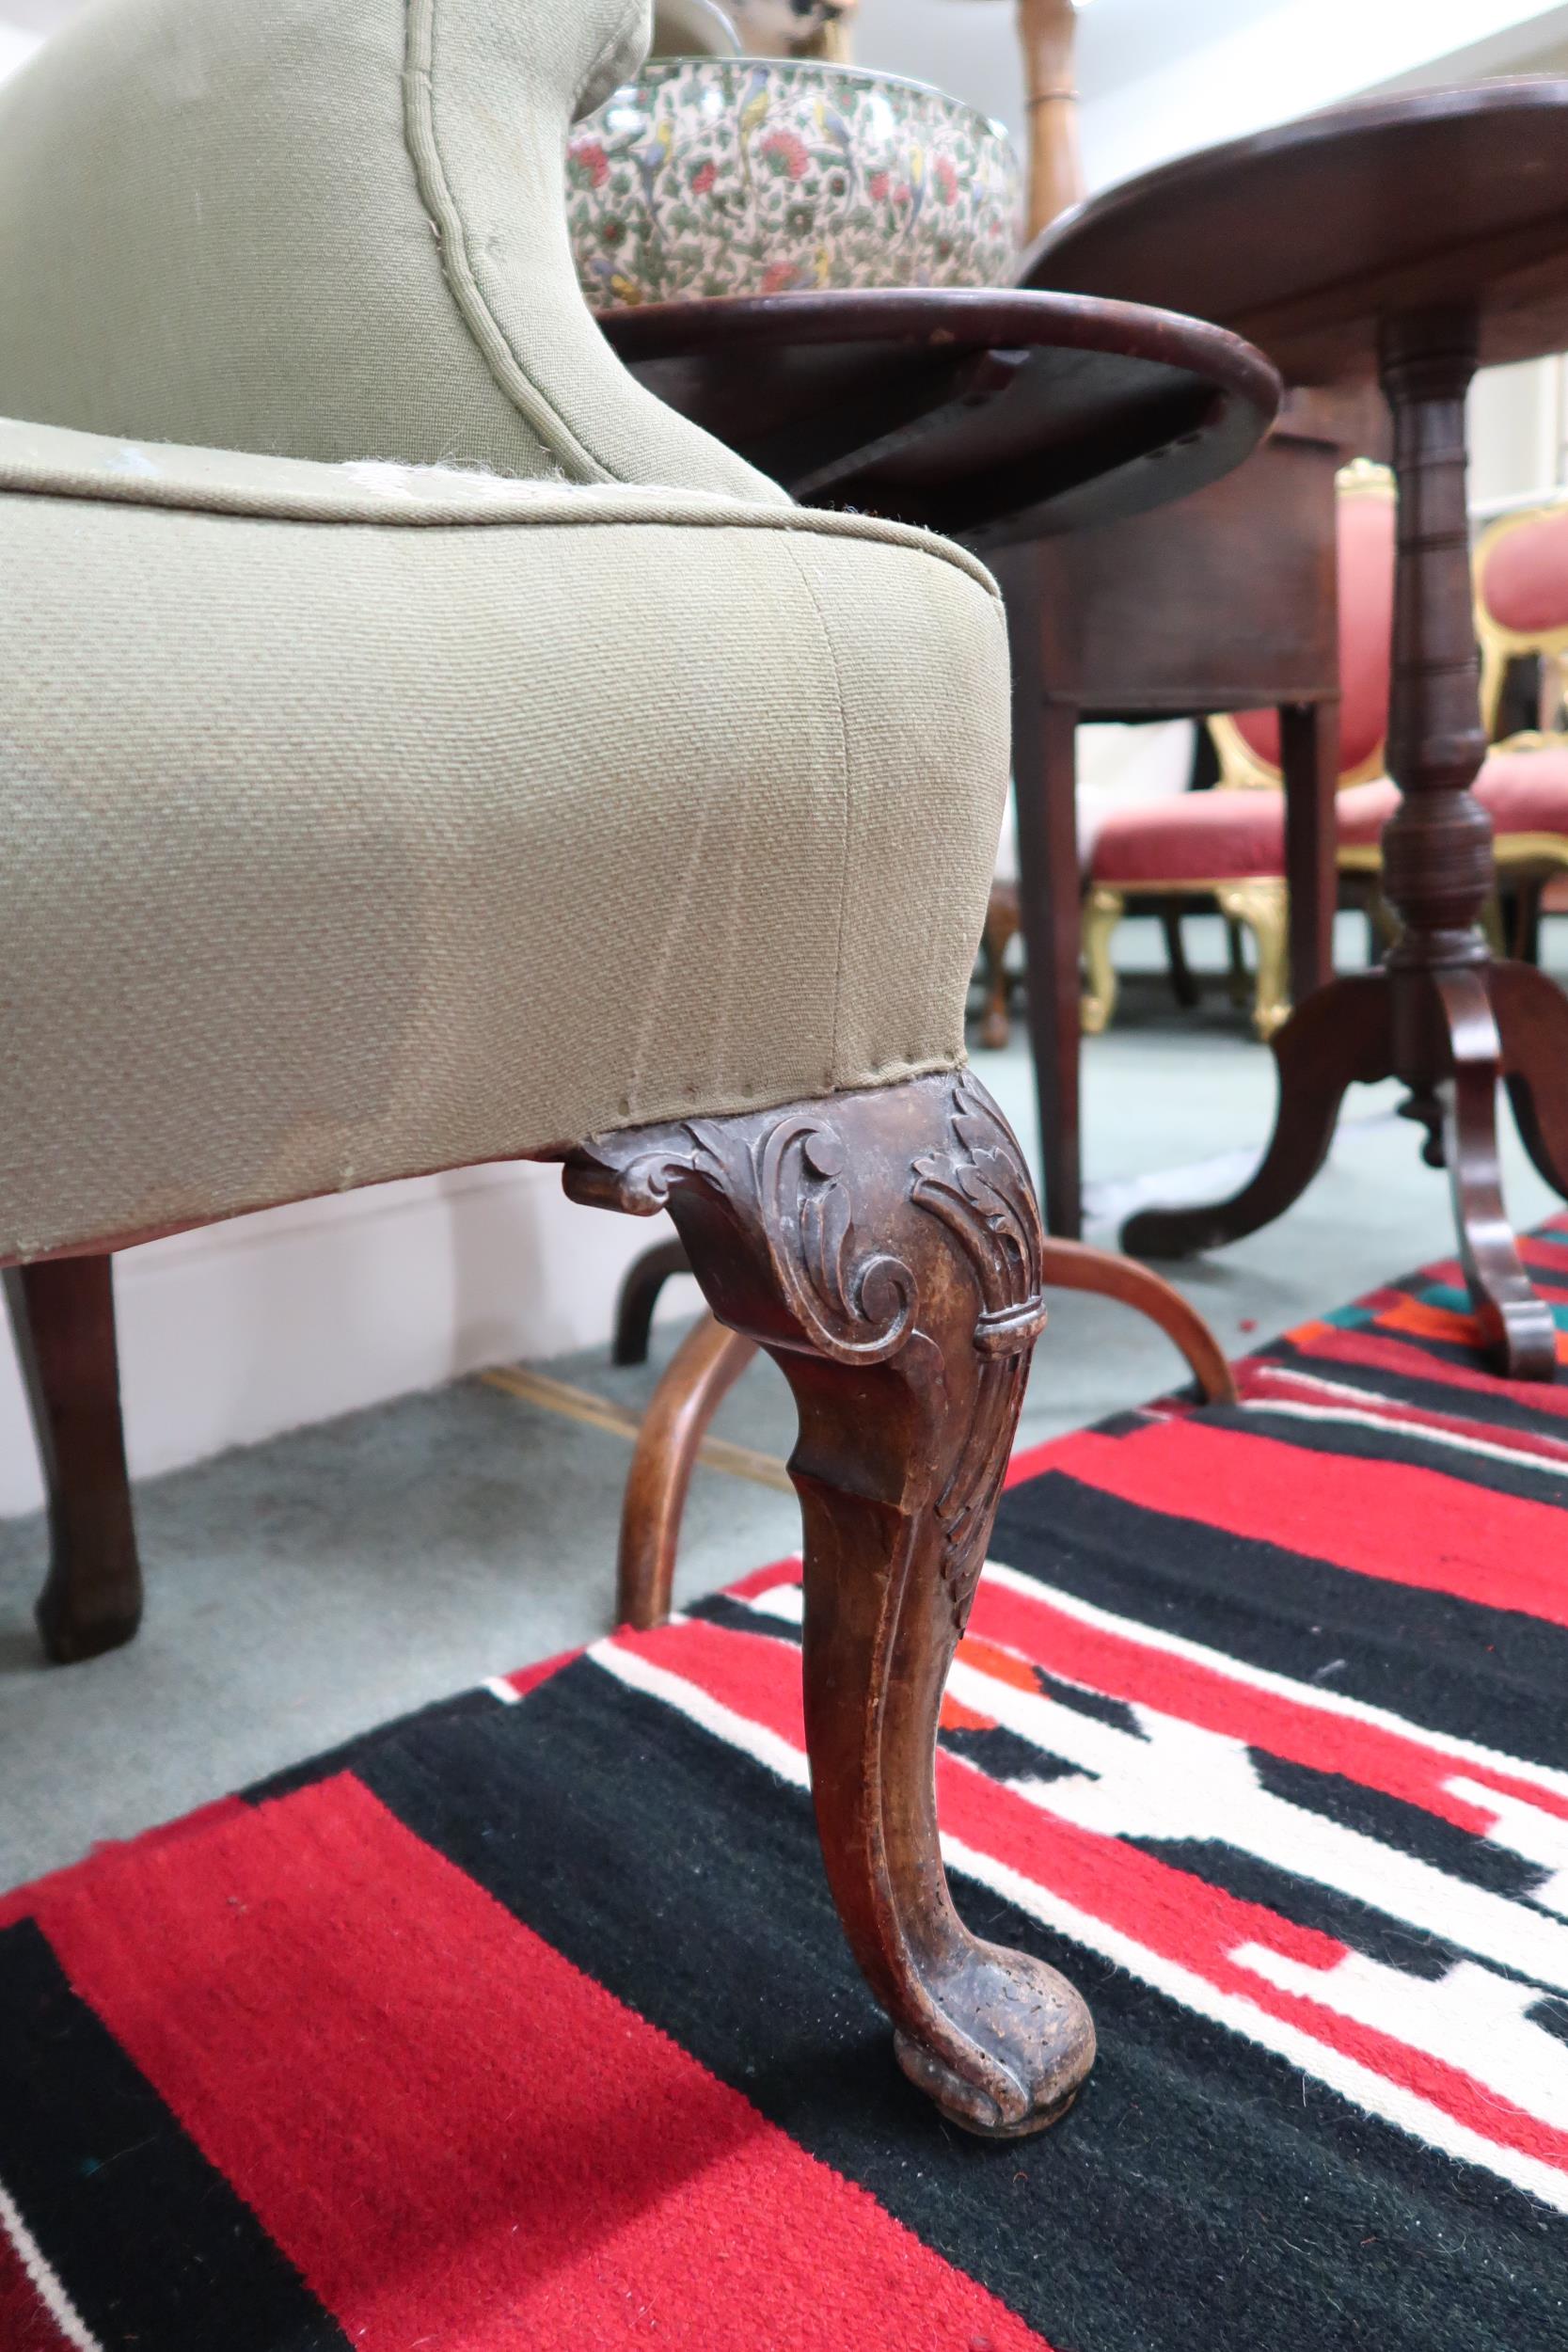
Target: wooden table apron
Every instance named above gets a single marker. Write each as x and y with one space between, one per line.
1406 240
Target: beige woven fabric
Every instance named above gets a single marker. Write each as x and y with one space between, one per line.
328 228
356 823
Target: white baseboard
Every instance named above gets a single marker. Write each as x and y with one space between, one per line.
233 1333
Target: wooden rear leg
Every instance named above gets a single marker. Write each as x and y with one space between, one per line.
634 1310
705 1366
885 1247
62 1314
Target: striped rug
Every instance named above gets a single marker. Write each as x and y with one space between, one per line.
526 2022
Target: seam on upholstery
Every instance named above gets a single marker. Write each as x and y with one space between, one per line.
476 314
727 515
810 587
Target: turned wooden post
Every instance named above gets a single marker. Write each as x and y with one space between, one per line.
1048 32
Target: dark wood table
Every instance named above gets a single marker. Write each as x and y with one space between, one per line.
1226 601
992 415
1405 242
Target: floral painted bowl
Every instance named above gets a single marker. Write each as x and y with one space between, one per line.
743 176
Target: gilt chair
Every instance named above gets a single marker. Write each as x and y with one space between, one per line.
418 747
1521 581
1226 847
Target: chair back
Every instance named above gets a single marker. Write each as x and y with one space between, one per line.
1248 742
1521 583
326 229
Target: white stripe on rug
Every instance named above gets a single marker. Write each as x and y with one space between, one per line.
50 2294
1363 2086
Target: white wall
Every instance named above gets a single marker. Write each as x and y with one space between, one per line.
1159 77
16 45
230 1334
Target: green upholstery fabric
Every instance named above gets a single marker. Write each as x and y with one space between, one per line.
358 821
328 228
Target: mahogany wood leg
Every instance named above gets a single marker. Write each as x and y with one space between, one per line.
62 1314
1184 986
1338 1035
1046 769
1531 1013
1309 764
640 1289
1516 1323
885 1247
1072 1266
705 1366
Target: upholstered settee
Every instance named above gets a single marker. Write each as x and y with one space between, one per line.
418 747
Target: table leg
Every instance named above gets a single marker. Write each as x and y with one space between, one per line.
1440 1016
1045 783
1309 755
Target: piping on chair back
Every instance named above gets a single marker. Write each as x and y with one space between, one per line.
1521 587
1247 745
328 228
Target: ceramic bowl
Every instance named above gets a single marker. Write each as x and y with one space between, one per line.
742 176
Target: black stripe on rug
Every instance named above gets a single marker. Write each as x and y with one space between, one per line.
1413 1447
685 1879
153 2247
1429 1657
1461 1403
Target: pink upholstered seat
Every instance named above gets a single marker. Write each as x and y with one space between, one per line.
1232 841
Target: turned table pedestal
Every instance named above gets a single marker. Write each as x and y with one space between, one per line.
1410 240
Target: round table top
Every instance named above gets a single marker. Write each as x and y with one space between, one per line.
1302 237
990 414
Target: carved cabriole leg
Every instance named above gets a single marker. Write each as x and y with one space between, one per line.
1262 907
1102 910
62 1315
885 1247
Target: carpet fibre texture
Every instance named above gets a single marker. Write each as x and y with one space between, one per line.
526 2022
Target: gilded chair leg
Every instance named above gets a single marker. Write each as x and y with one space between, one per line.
1264 906
62 1315
885 1247
1102 910
705 1366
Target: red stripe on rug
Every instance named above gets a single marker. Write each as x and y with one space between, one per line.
1394 1520
1119 1664
22 1902
1328 1343
458 2137
1169 1911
